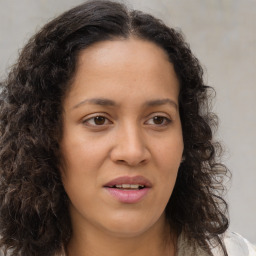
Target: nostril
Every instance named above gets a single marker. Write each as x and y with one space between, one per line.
132 163
121 161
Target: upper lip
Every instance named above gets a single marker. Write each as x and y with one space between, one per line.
138 180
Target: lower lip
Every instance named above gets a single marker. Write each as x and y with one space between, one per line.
128 196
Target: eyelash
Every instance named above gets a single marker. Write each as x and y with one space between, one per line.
165 120
93 119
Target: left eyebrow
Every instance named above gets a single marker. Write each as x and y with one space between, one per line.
159 102
96 101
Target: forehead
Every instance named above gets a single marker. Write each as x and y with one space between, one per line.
123 53
135 47
124 67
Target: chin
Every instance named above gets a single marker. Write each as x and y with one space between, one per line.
127 232
131 226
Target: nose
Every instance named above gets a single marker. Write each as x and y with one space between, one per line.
130 148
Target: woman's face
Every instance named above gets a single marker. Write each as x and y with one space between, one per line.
122 138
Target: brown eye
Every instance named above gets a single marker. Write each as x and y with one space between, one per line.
99 120
159 119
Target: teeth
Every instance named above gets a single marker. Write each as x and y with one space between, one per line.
135 186
129 186
126 186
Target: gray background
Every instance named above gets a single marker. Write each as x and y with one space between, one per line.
222 34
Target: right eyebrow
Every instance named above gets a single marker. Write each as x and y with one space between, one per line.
159 102
96 101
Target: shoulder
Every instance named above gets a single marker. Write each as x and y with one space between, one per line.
237 245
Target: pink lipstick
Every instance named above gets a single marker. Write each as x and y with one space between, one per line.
129 189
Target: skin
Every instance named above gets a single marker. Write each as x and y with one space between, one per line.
125 141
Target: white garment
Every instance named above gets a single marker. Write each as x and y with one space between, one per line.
235 244
238 246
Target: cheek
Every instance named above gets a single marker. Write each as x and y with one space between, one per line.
83 158
168 152
79 175
77 167
82 155
168 156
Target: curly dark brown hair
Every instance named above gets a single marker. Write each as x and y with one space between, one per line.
34 217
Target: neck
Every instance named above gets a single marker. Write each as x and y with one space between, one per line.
93 242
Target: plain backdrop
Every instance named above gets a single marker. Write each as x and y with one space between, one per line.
222 34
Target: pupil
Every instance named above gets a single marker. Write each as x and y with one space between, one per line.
99 120
158 119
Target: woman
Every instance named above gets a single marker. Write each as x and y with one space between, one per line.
106 142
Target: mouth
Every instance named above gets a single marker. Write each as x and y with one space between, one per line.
129 183
128 186
128 189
